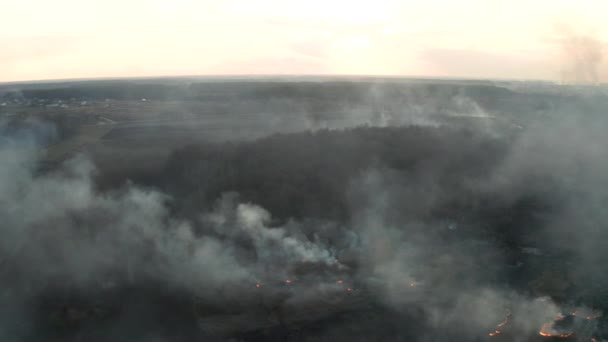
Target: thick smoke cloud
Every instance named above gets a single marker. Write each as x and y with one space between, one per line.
450 279
560 161
57 225
60 233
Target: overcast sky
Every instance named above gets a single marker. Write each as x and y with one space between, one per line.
49 39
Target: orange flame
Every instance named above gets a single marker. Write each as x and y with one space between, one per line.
494 333
500 325
546 330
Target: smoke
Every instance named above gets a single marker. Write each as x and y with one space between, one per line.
562 160
583 56
61 234
401 255
277 247
447 275
449 269
377 104
58 227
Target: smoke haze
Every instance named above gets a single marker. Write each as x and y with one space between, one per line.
413 227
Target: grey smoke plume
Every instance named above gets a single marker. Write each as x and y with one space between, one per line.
583 57
59 231
413 263
559 159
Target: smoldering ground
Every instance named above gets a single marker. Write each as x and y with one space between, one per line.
426 237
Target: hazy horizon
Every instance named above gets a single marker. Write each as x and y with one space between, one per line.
279 77
471 39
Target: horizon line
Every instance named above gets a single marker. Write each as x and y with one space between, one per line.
240 76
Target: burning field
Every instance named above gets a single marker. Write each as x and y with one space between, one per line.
402 230
578 325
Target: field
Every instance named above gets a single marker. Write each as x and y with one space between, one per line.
304 209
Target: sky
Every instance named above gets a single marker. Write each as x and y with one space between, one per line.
516 39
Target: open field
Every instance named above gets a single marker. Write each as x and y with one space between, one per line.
86 136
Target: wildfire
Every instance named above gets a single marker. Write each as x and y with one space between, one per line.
548 331
340 281
258 285
501 325
288 281
494 333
